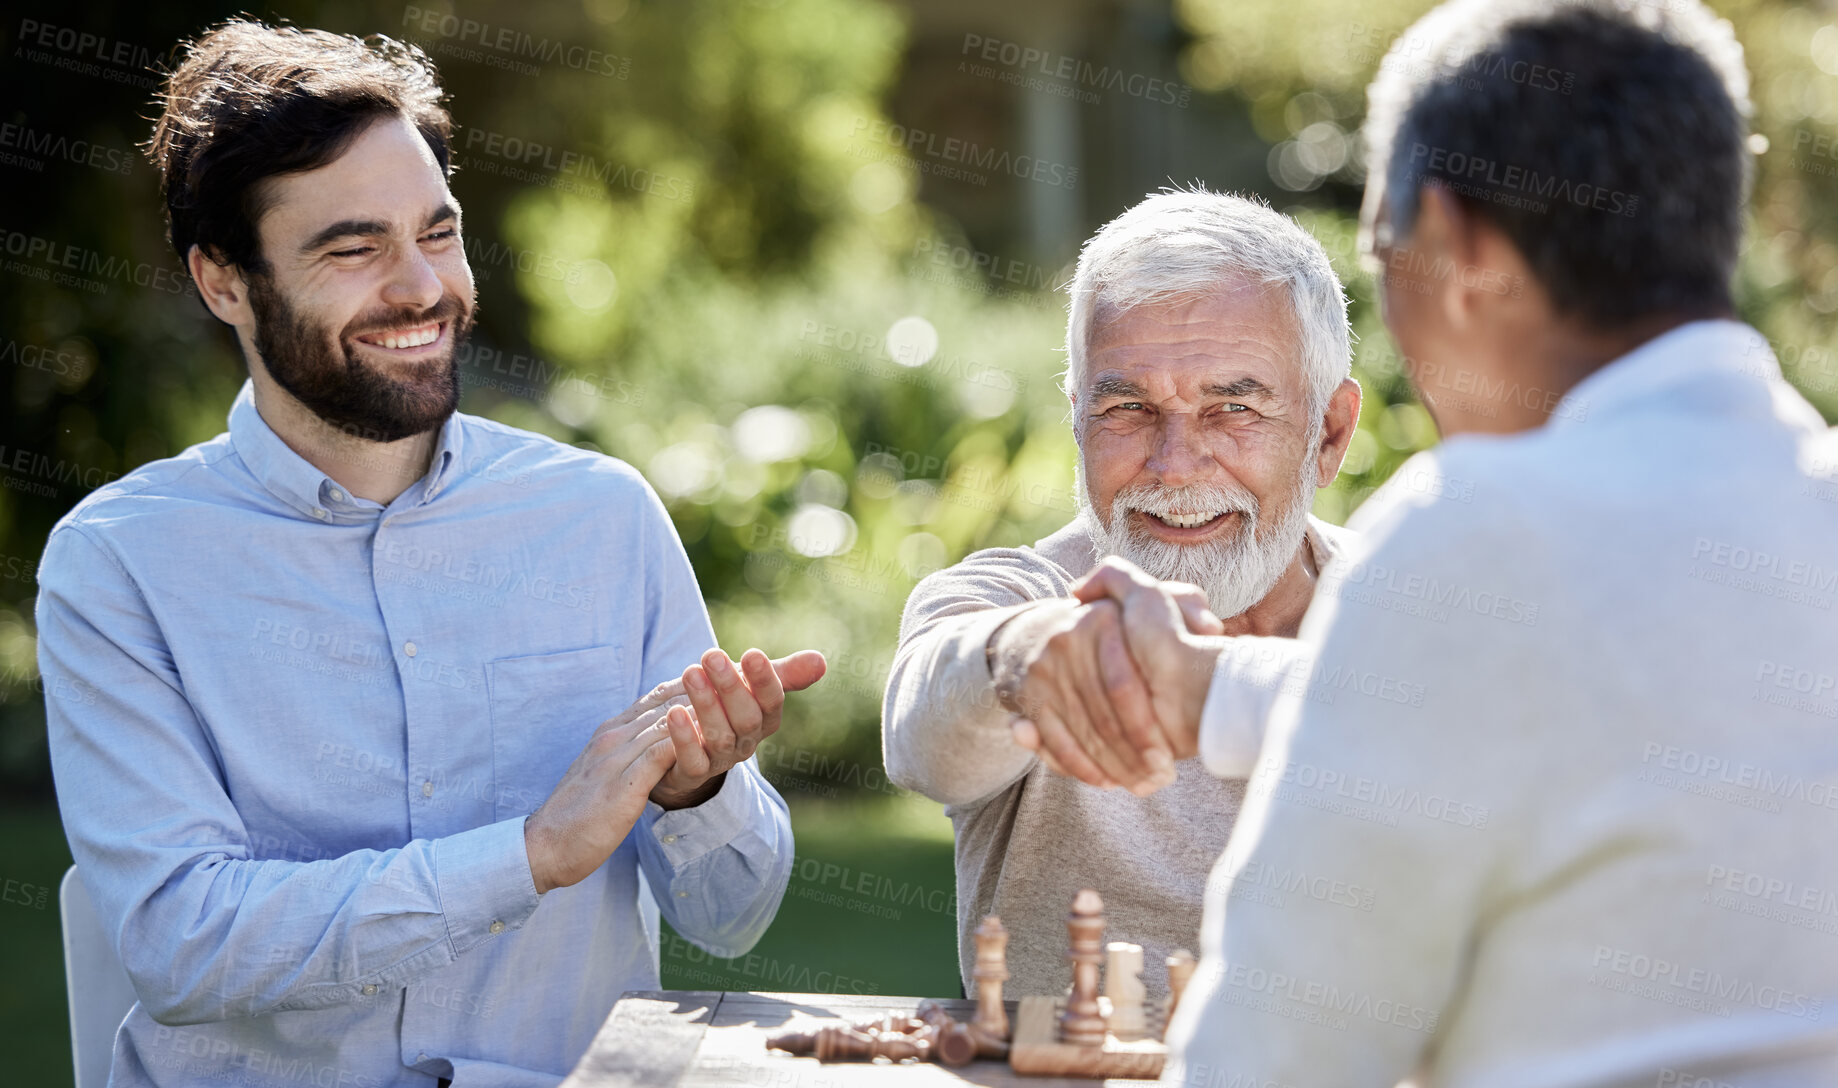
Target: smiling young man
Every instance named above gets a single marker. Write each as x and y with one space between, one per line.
1208 359
396 727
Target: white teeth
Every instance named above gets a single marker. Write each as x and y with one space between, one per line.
414 338
1187 521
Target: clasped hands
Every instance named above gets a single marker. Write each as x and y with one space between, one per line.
1107 687
671 747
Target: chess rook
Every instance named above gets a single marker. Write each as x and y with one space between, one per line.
1180 972
1082 1023
1123 985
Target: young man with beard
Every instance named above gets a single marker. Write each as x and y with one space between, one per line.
354 760
1207 369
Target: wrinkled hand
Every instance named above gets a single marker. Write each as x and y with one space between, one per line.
672 746
1153 649
730 710
1080 698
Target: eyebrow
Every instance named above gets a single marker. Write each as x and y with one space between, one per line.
359 228
1110 386
1242 387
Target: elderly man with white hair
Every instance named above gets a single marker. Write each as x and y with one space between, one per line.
1208 364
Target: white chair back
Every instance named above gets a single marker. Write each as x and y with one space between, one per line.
100 993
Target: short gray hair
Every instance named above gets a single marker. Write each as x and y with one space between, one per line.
1183 244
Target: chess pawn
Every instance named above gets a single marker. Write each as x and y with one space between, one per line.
990 972
1123 985
1082 1023
1180 972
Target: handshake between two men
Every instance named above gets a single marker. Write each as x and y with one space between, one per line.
1107 687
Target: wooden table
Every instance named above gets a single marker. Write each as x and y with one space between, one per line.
709 1039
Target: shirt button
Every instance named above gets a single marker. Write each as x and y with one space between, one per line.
497 927
422 1057
669 839
337 495
427 788
409 649
318 513
370 989
682 895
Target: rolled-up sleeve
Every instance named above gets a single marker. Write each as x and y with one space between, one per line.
206 930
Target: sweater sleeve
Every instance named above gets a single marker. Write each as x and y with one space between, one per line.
942 730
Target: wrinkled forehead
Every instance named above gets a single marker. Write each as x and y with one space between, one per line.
1218 337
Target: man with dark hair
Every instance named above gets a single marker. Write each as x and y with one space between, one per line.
336 719
1562 709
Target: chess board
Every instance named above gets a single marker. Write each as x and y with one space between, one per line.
1082 1034
1036 1049
700 1039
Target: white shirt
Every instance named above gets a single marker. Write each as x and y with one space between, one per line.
1549 795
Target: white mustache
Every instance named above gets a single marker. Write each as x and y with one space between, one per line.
1191 499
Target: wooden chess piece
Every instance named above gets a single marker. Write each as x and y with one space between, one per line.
1123 985
841 1043
1180 972
990 972
952 1043
1082 1024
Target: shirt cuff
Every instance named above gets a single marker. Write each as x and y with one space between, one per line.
483 876
685 834
1250 676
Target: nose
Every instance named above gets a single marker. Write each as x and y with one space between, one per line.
413 283
1180 456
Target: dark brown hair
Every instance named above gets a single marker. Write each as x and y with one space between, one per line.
251 101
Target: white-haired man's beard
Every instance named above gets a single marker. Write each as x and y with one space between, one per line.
1236 571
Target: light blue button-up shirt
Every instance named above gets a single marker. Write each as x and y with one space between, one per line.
295 734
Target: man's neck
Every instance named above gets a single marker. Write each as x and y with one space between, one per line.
378 471
1280 612
1540 363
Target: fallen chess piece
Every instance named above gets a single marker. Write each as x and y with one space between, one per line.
929 1035
842 1043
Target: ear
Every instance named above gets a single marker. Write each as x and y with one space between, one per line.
1442 236
223 288
1337 426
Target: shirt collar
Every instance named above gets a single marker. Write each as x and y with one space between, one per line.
295 481
1669 359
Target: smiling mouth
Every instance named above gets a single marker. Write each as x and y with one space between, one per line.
412 338
1188 522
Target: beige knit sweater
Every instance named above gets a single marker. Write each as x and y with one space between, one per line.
1028 839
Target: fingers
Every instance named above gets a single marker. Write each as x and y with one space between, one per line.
711 712
1092 720
664 694
763 681
647 769
1126 690
1112 577
692 762
800 670
743 713
1192 601
1062 756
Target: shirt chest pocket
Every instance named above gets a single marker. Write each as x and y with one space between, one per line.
543 709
